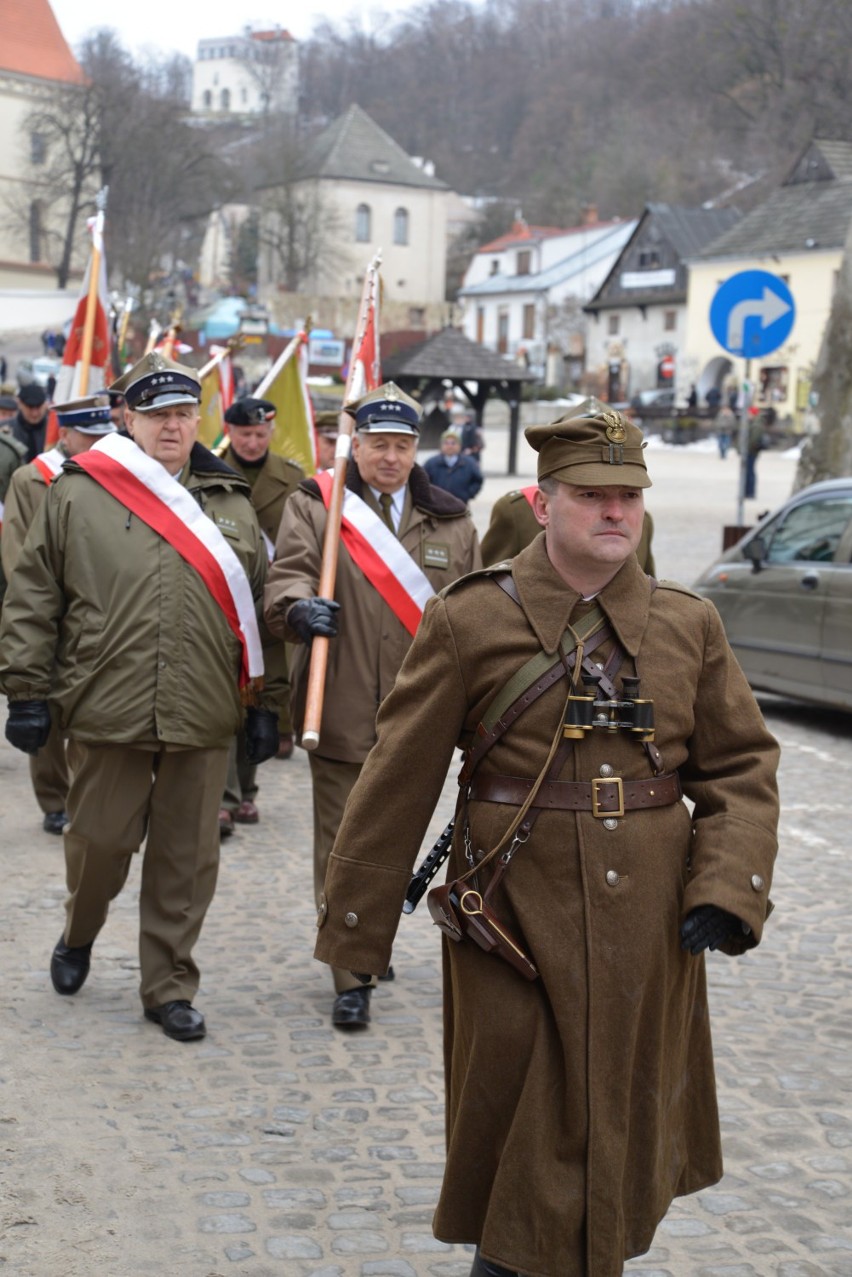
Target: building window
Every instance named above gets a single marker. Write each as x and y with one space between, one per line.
613 324
503 332
523 262
417 316
480 323
529 321
38 148
36 230
362 223
495 266
669 320
400 226
649 259
207 100
226 99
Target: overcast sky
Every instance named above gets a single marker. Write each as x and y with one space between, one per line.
180 24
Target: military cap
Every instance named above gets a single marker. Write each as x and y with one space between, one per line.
32 395
250 412
326 422
8 403
387 410
591 444
90 416
157 382
116 398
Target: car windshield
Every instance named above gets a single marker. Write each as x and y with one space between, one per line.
809 532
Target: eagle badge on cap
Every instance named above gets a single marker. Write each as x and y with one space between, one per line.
615 431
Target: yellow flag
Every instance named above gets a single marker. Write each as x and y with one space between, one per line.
293 435
210 425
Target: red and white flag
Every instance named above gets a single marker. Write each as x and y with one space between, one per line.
365 361
68 380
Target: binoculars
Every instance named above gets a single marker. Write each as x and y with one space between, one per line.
586 711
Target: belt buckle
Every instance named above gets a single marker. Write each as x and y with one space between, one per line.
597 810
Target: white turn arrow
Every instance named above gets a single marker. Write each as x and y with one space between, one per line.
767 308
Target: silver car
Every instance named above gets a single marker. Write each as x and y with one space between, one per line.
785 596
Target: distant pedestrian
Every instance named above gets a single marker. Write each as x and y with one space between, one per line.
757 440
453 472
713 399
726 424
692 399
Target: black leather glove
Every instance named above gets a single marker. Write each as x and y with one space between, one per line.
261 734
28 725
708 926
313 616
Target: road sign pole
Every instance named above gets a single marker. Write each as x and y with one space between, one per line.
743 443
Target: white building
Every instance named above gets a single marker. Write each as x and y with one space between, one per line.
34 58
248 74
520 291
373 197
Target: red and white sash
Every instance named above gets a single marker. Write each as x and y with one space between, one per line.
148 490
50 463
372 546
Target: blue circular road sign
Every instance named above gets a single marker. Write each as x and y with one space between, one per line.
752 313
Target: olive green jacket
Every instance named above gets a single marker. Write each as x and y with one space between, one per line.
13 455
276 481
105 620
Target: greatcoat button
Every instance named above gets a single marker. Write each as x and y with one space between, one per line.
351 920
610 823
611 878
606 769
757 882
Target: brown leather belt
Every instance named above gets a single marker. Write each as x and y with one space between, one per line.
603 796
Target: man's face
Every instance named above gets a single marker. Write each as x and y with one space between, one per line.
589 530
326 445
451 446
33 416
74 441
251 443
384 461
6 414
166 434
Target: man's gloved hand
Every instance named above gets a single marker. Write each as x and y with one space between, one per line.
313 616
28 725
261 734
707 927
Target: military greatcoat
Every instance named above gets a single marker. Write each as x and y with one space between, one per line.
579 1104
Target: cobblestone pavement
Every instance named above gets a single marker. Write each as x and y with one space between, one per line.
279 1146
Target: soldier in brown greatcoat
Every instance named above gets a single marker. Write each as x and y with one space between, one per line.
434 538
581 1101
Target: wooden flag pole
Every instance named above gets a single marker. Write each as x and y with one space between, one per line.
232 345
92 298
331 541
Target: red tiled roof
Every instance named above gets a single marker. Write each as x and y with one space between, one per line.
277 34
31 42
521 233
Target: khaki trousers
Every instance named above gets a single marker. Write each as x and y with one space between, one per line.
119 794
332 784
49 773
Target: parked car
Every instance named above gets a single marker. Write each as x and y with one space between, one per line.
40 370
785 596
653 403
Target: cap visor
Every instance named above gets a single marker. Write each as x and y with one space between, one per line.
167 401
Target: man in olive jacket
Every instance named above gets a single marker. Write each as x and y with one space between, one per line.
81 423
132 613
429 536
582 1101
250 423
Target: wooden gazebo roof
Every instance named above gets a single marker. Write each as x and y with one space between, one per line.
475 370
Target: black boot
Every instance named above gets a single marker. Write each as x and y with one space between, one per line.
487 1268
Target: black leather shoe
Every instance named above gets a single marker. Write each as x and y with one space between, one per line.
179 1020
54 822
69 967
389 975
352 1009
